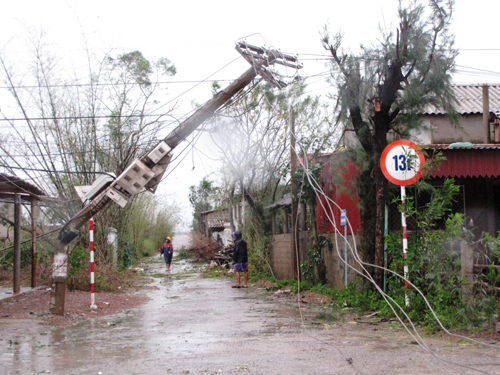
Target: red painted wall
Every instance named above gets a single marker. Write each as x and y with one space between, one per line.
338 169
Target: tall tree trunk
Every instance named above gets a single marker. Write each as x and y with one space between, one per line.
381 186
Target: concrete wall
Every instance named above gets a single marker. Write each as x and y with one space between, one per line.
443 132
282 258
334 264
437 129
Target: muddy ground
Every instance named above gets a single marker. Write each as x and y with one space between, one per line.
183 323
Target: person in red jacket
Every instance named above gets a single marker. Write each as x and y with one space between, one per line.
167 250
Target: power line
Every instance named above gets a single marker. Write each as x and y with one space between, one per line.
53 171
79 117
105 84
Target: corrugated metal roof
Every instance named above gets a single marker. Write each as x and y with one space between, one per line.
480 161
478 146
15 185
470 100
285 201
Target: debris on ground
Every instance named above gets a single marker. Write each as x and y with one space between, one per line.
224 257
202 247
265 284
305 297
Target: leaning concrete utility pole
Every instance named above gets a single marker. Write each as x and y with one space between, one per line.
147 171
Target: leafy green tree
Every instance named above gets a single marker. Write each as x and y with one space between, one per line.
383 89
147 222
202 198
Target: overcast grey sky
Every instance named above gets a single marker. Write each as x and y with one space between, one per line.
199 36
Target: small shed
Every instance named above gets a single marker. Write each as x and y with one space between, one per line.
214 223
16 191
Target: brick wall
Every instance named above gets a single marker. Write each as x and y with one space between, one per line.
283 264
282 256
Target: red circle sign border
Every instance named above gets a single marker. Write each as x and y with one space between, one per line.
383 165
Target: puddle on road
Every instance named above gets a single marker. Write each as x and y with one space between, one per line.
186 315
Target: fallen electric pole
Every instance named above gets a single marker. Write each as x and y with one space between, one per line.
147 171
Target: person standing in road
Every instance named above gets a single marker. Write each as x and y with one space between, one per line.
167 250
127 261
240 259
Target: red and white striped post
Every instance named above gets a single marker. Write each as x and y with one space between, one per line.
92 289
401 163
405 241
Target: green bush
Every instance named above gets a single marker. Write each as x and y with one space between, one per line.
148 248
79 260
7 260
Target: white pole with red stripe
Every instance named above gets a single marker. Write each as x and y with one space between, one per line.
92 289
402 164
405 240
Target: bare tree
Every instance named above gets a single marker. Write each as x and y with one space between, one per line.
63 130
252 137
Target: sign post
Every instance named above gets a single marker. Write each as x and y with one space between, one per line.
82 193
343 222
401 163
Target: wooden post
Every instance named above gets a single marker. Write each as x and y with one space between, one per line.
486 114
498 318
17 244
34 262
286 226
295 203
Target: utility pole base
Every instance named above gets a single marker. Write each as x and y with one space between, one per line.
58 296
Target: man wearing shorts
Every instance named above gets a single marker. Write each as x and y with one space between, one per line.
240 259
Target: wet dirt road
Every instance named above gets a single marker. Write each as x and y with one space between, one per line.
193 325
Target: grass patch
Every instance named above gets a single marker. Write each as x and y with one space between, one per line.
183 255
215 272
157 275
327 317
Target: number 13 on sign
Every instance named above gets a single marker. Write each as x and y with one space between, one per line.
402 162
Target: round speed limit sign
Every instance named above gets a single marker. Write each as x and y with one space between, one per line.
402 162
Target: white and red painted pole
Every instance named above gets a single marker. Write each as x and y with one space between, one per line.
405 240
92 289
402 163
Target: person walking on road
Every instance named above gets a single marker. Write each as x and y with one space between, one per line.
240 259
167 250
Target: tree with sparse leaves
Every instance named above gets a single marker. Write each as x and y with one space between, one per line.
63 130
252 141
384 88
